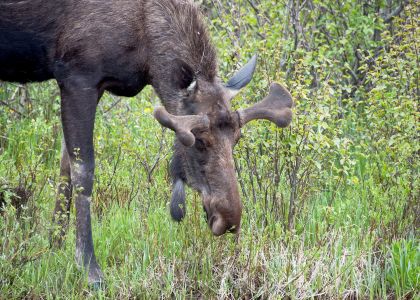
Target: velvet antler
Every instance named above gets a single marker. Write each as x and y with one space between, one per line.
182 125
276 107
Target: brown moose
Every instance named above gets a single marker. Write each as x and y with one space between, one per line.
92 46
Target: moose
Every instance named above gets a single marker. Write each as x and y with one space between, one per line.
93 46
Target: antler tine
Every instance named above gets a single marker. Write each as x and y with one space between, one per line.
276 107
182 125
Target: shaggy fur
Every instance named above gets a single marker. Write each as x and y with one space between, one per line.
120 46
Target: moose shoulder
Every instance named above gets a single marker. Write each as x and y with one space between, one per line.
89 46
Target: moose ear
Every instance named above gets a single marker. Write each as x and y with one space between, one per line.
183 75
242 77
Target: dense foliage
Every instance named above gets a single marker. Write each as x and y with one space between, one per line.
331 203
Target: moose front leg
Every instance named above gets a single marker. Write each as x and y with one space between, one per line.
61 214
78 106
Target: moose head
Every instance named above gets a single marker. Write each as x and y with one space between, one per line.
206 133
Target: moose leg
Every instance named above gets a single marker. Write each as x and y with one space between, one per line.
61 215
78 106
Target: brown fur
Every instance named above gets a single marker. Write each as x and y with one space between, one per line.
120 46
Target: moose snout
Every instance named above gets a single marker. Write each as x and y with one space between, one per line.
223 220
220 226
214 220
221 200
217 225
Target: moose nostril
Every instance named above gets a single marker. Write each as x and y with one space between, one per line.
217 225
211 221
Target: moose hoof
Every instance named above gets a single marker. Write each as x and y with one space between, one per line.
95 275
97 286
96 278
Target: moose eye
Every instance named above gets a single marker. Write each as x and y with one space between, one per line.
225 122
199 145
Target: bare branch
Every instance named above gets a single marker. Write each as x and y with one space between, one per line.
11 108
395 12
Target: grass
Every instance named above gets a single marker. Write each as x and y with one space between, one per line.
148 255
343 244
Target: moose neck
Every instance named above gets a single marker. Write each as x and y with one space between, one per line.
177 37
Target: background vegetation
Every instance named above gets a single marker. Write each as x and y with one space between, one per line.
331 203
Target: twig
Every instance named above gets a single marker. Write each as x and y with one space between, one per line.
113 104
151 169
395 12
11 108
